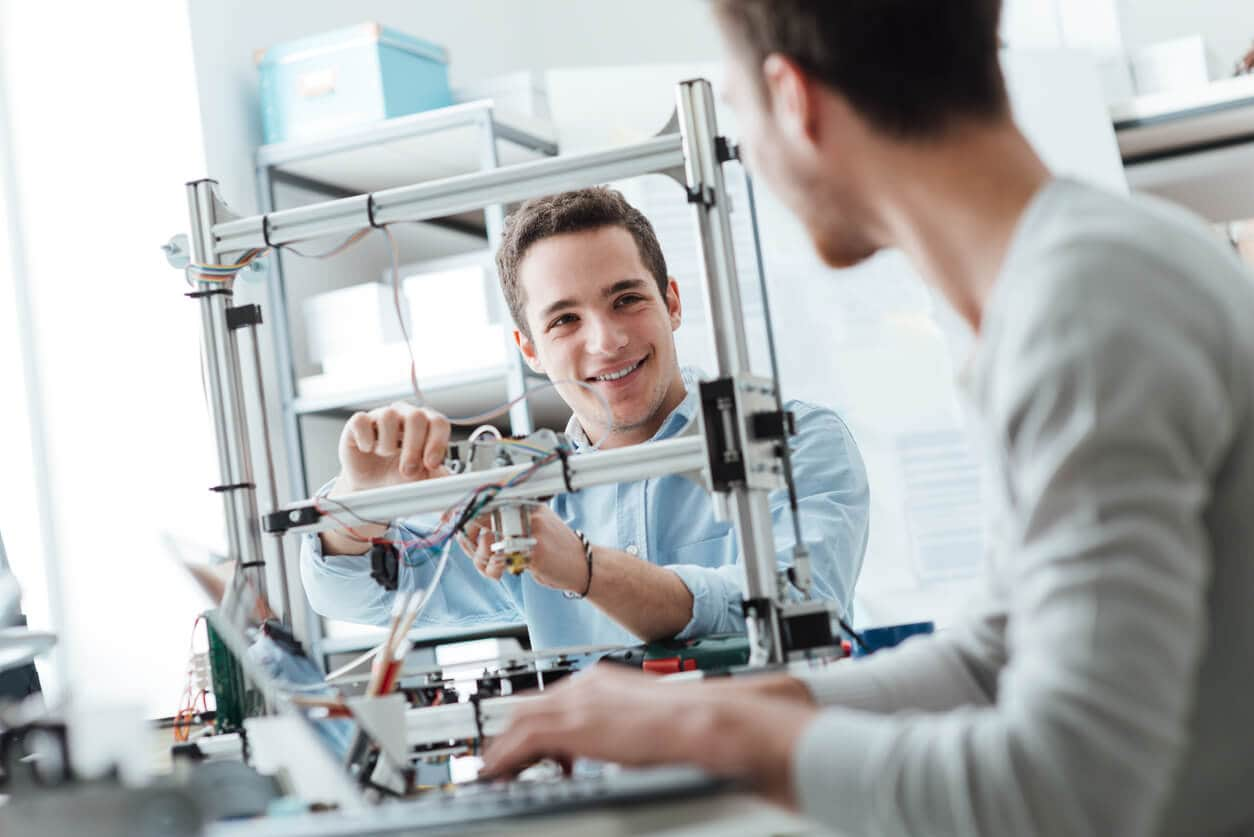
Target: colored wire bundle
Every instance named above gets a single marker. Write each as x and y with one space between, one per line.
222 272
195 691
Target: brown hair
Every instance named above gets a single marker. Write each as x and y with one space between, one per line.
580 210
910 67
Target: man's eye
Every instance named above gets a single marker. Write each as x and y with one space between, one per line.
565 319
628 299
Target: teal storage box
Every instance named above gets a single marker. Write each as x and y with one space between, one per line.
323 84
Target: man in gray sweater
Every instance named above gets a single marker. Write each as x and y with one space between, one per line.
1104 685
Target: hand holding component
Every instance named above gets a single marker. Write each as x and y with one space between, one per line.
390 445
557 558
635 719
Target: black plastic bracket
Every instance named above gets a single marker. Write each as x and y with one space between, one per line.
281 521
774 425
703 195
749 607
806 631
727 467
385 565
240 316
725 151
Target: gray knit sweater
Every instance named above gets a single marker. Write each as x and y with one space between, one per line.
1106 684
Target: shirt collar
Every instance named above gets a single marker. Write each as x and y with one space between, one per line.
671 426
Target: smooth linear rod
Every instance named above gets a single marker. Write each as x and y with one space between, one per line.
669 456
464 193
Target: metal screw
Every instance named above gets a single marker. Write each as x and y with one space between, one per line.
293 516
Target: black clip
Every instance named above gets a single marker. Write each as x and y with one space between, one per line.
209 292
385 565
564 456
239 316
774 425
370 212
233 487
265 231
703 195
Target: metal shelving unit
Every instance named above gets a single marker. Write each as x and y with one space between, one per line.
463 139
435 145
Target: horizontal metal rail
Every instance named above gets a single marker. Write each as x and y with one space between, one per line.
636 462
450 196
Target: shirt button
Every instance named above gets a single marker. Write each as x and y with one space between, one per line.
632 549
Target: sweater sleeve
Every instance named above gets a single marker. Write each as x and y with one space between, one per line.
1111 426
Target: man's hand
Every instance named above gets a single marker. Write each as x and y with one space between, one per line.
557 559
634 719
386 446
391 445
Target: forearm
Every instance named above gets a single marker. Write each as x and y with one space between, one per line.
343 542
647 600
756 685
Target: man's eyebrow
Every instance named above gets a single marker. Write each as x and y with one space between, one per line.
617 288
624 285
554 307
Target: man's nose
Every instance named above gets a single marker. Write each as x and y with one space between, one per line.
604 336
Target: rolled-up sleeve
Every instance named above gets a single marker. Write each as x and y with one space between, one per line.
833 498
341 587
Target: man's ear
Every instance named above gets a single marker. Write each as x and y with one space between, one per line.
528 349
673 305
792 96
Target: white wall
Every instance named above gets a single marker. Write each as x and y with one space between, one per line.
101 144
484 38
1227 25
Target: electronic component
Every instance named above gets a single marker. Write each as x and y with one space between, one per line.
511 521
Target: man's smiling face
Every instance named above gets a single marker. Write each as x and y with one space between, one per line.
595 314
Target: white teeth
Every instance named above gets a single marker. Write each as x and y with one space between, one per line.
614 376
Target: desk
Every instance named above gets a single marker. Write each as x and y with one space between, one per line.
715 816
1194 147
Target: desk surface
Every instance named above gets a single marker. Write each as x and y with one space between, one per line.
712 816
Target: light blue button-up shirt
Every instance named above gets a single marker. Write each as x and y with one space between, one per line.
666 520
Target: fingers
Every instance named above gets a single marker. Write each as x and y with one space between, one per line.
415 437
530 737
436 447
388 422
360 432
479 547
493 564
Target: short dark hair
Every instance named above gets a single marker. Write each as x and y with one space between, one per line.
580 210
911 68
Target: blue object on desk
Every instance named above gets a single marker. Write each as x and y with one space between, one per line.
888 636
319 85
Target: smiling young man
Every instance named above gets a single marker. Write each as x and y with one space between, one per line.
586 283
1103 688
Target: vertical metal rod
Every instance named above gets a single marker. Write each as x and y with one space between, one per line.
801 574
305 623
284 365
222 377
520 423
750 508
268 489
708 195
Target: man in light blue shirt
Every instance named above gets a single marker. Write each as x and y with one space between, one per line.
586 282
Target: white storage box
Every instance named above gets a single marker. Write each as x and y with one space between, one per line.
455 313
1179 64
346 324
